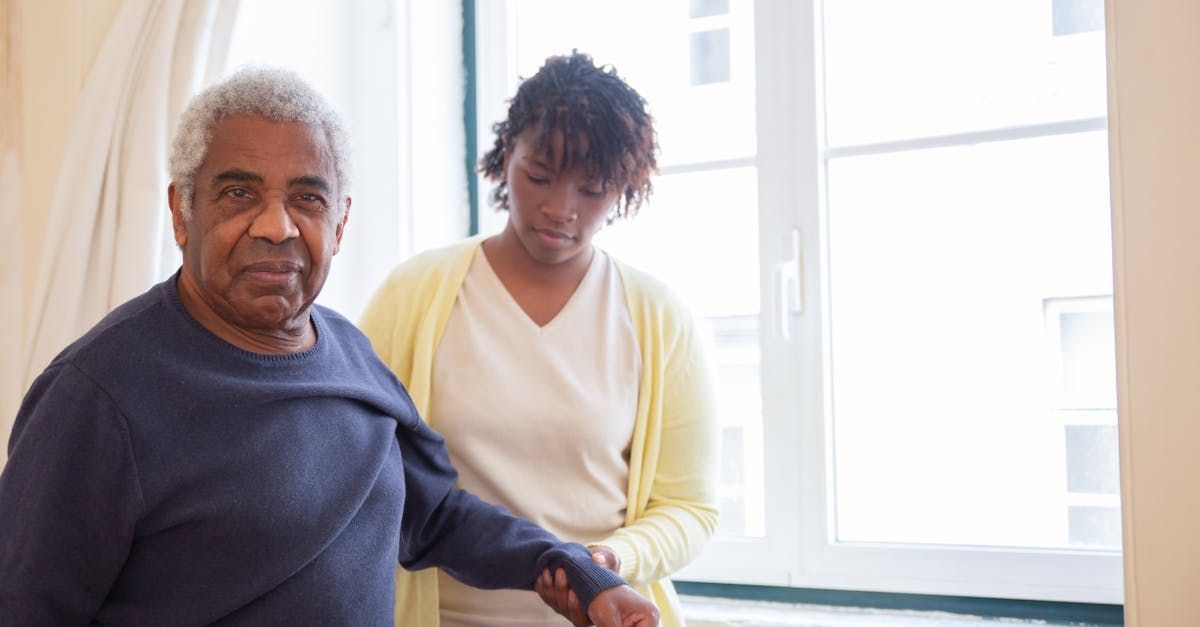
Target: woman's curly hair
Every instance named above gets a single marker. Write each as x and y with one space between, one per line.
591 106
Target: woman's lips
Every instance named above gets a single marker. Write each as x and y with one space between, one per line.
552 238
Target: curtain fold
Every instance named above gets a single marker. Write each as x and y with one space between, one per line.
12 312
108 236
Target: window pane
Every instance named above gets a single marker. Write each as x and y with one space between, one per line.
705 8
710 56
1098 527
711 120
946 378
1088 356
1092 459
898 70
1078 16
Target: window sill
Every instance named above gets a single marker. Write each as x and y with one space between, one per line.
718 612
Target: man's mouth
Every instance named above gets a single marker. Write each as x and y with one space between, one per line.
282 265
272 271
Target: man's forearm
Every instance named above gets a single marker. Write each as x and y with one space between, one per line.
486 547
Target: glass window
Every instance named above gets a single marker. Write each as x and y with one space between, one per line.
940 262
1078 16
710 56
896 70
893 219
705 8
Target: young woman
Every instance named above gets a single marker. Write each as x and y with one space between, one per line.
570 387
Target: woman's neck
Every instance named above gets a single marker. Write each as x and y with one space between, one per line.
540 289
512 262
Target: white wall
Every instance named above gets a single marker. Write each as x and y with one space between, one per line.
1154 123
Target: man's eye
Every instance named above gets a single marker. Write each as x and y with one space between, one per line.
238 192
310 201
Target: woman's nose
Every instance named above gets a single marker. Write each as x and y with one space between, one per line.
560 206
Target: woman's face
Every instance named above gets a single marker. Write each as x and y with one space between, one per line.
554 213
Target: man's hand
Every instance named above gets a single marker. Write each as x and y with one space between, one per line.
622 607
556 593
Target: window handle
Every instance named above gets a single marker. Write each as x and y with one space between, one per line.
789 292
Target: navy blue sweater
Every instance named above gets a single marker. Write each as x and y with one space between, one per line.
161 476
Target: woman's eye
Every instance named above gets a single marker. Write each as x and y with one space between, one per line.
537 180
593 193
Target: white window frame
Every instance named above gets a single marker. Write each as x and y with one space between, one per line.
799 549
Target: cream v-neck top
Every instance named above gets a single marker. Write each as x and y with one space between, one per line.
537 419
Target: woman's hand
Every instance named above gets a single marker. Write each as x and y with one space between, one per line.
605 557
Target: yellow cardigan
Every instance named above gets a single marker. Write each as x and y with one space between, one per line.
671 498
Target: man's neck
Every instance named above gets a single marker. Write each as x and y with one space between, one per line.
288 338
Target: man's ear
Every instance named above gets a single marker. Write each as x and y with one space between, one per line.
337 245
178 222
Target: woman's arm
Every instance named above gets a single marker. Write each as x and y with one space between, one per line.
682 511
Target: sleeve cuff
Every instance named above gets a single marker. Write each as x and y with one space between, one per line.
626 553
587 578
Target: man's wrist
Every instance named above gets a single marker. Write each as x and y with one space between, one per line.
586 578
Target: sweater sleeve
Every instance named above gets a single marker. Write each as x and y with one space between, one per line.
681 514
477 543
69 501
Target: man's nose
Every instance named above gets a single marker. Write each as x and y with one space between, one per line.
273 222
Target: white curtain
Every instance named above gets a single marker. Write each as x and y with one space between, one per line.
108 236
11 311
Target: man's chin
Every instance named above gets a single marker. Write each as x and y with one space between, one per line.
271 313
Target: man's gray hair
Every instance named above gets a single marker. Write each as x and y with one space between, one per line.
273 93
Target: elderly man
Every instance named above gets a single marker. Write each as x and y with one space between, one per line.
220 450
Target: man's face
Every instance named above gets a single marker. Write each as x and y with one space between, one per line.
265 222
